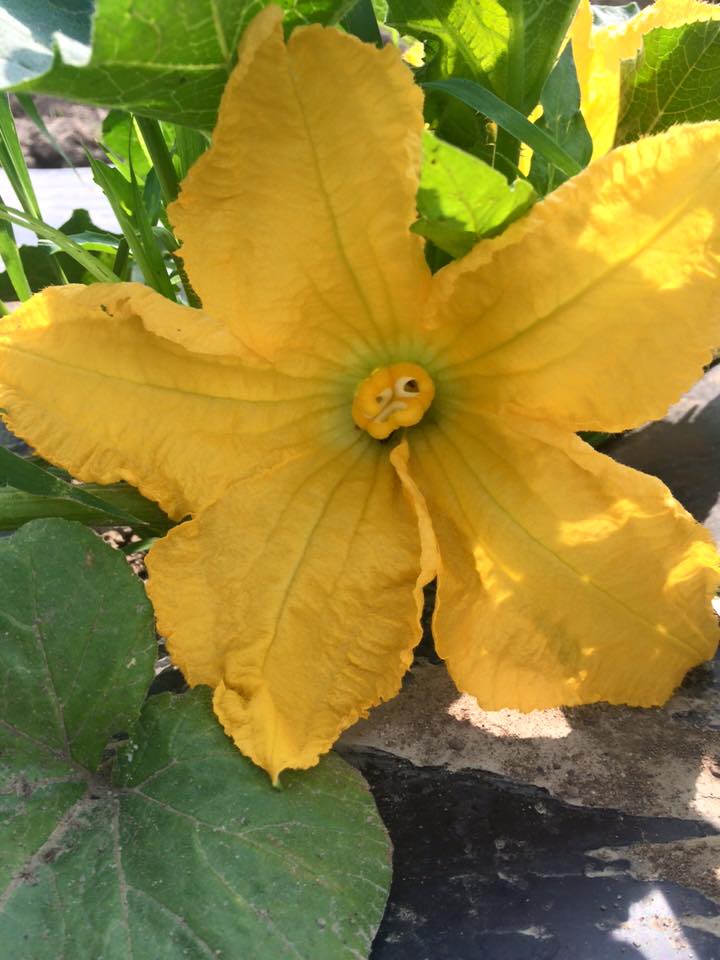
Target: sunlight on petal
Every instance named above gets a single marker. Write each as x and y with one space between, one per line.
91 378
334 529
295 223
699 554
589 615
598 526
637 240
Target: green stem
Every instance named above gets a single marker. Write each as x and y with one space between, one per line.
160 156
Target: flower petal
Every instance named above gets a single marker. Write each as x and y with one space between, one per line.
601 306
295 223
86 383
297 596
565 578
597 54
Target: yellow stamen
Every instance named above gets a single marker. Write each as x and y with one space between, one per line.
392 397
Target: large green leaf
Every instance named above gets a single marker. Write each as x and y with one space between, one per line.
505 46
461 199
176 848
508 46
675 78
77 647
163 58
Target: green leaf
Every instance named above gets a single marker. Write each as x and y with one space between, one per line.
461 199
167 59
563 121
77 640
361 21
92 264
297 872
189 146
120 502
40 262
675 78
126 200
120 141
13 162
95 239
20 474
18 286
508 46
80 222
485 101
181 851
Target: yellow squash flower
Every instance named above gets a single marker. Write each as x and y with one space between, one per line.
599 53
342 426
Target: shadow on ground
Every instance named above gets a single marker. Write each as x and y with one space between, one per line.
587 834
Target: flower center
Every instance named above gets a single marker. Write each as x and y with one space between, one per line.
392 397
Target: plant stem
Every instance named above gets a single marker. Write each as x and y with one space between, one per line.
160 156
